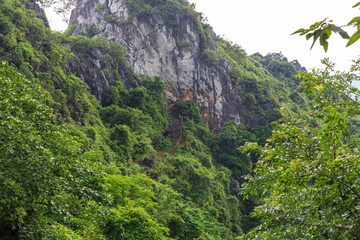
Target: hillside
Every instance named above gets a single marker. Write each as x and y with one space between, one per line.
127 125
170 40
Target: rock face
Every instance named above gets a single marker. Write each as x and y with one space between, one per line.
154 49
97 71
235 187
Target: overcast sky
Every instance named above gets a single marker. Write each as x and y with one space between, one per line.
265 26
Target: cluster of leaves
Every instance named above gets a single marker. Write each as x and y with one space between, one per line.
165 9
184 45
225 148
136 117
322 30
43 170
309 175
85 44
210 57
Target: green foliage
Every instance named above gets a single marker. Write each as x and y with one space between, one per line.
225 147
309 175
85 44
130 131
184 45
233 52
297 98
212 212
99 7
278 68
143 109
250 100
133 223
15 47
322 30
39 162
53 184
111 18
210 57
91 31
189 110
162 8
140 7
262 82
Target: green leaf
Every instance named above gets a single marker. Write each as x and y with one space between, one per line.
316 36
344 35
354 20
327 32
309 35
356 5
339 30
301 30
353 38
323 41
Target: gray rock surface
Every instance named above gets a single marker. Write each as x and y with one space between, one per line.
153 49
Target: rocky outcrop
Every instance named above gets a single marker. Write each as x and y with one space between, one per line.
278 56
154 49
100 71
235 187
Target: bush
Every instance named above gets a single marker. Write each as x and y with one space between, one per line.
99 7
133 224
184 45
111 18
189 110
210 57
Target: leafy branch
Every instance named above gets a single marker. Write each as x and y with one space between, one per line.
322 31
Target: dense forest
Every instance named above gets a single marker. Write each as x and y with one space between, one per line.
125 167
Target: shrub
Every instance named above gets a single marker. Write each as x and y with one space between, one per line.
99 7
184 45
210 57
111 18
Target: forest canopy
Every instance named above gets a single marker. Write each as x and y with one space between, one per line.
134 165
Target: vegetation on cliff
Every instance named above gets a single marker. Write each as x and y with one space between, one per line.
71 168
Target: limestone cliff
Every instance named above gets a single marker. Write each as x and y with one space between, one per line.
155 47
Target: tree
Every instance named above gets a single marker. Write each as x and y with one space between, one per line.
309 176
225 149
322 30
44 176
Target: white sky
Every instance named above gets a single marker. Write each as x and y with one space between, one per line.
265 26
